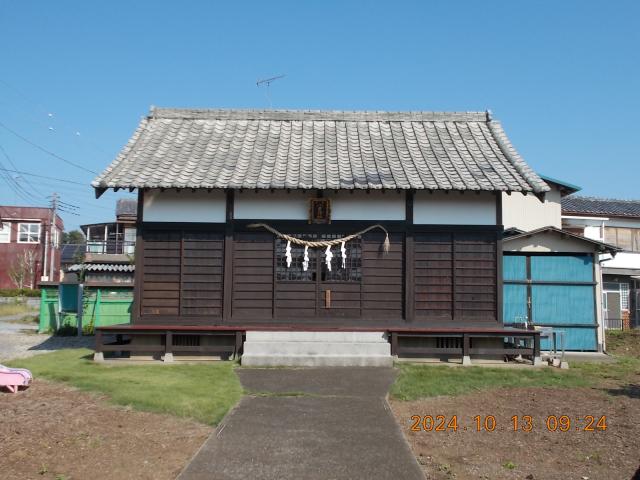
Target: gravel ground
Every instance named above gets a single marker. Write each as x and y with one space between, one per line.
19 340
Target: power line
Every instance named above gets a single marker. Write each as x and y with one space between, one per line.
17 187
45 177
4 152
8 180
48 152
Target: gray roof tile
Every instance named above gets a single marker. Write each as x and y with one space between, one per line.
177 148
611 207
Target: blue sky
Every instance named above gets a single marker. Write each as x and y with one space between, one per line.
76 76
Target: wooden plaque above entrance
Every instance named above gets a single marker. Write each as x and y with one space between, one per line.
319 210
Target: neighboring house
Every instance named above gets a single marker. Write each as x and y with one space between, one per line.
110 248
433 181
616 222
70 254
29 246
552 277
530 212
113 238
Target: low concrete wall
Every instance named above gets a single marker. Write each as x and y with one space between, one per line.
33 302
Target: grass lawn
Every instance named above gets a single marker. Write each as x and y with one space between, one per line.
203 392
625 342
14 308
421 381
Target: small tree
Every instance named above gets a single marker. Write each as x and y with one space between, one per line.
23 269
75 237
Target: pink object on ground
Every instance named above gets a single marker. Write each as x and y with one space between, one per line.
12 378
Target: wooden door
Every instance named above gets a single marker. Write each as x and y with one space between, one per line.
314 290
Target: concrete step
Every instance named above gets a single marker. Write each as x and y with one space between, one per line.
270 348
316 361
316 348
268 336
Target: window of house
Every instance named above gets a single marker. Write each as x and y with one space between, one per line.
622 289
29 233
624 296
129 240
5 232
625 238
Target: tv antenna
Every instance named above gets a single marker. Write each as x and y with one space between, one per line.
267 83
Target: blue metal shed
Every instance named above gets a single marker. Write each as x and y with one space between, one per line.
550 279
553 290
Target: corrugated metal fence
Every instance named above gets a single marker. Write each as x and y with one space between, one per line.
553 290
100 306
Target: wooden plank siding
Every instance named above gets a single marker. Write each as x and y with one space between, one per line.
452 280
182 276
253 270
382 277
455 277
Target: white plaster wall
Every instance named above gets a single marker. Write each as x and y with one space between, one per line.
623 222
621 260
359 205
593 232
439 208
268 205
186 206
373 206
527 212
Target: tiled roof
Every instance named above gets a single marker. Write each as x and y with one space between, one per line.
102 267
280 149
574 205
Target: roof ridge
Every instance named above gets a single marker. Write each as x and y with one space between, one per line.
600 199
336 115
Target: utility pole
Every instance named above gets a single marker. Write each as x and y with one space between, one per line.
52 226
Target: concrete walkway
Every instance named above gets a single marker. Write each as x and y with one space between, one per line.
313 423
19 340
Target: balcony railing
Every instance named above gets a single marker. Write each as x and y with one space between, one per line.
111 247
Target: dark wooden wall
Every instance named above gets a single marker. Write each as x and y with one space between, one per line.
433 276
455 277
182 276
252 268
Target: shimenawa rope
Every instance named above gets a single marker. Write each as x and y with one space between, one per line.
324 243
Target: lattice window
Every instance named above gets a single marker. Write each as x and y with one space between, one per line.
186 340
317 261
294 273
353 264
624 296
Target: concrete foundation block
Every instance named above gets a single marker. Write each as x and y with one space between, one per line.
466 361
537 361
168 358
564 365
98 357
316 349
315 361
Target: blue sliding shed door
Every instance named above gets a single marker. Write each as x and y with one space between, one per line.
553 290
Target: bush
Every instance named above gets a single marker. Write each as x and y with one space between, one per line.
67 331
19 292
